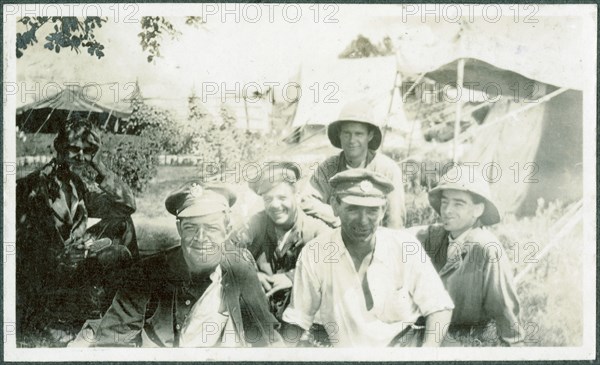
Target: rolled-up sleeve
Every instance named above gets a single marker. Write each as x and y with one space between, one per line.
426 287
306 293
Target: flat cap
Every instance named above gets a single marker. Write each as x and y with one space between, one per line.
361 187
194 199
274 173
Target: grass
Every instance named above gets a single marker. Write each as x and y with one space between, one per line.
550 293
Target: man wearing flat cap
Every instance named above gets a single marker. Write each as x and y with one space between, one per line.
61 263
359 136
469 258
276 235
367 282
203 293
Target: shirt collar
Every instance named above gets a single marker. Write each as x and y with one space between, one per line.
461 238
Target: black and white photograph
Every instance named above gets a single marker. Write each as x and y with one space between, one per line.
313 182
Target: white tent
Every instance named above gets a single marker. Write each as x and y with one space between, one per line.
534 130
325 88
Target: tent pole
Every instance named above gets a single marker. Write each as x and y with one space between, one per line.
390 106
460 70
26 119
43 124
107 119
246 111
575 218
477 129
412 127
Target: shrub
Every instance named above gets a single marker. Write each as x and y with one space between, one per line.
217 140
134 159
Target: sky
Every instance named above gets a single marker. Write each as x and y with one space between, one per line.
227 50
230 51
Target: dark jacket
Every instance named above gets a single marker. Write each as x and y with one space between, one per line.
152 307
259 237
45 225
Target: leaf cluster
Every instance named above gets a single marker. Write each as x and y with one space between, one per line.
67 32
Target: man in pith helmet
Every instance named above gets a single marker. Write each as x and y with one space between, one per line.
468 257
359 136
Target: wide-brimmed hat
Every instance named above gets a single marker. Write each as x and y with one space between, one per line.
361 111
460 178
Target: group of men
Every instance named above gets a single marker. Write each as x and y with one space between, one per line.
330 264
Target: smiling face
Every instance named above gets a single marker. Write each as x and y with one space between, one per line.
77 152
459 211
355 138
358 223
280 204
201 239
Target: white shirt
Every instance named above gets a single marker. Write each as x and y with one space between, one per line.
403 283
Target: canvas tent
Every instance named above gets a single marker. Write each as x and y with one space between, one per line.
325 88
46 114
533 132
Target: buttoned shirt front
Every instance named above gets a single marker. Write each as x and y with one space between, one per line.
403 285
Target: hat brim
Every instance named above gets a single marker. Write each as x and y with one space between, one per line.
490 215
364 201
333 132
199 210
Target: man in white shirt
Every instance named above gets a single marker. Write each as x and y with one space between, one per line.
370 284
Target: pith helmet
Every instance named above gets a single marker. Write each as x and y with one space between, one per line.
460 178
361 111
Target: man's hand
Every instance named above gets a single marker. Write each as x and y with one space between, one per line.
264 281
98 165
74 254
279 282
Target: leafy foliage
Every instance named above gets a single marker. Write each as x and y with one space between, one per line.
153 27
155 132
135 159
68 32
217 140
77 33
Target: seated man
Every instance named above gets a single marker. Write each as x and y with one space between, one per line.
203 293
368 290
469 258
276 235
61 262
359 136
